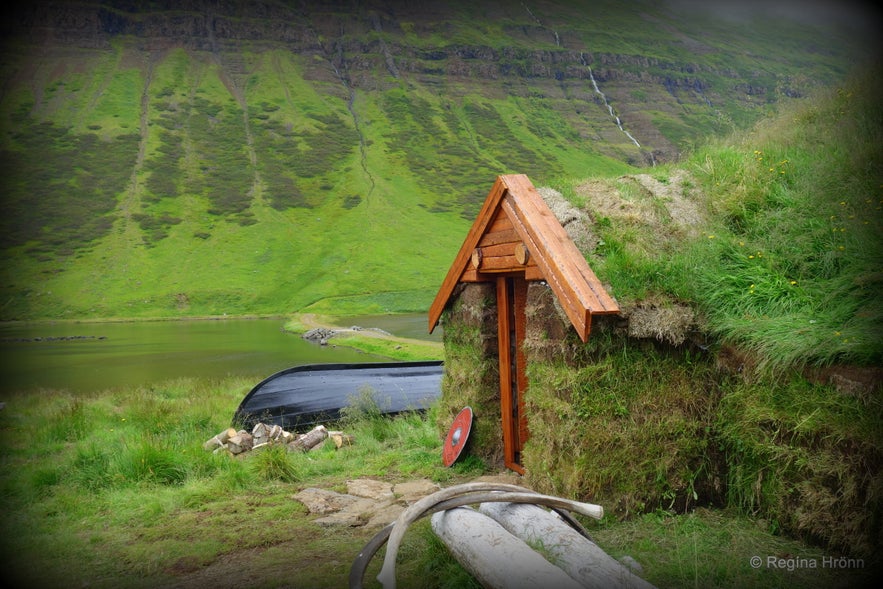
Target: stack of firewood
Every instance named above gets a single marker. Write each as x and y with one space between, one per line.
237 442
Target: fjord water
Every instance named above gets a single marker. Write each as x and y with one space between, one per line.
82 357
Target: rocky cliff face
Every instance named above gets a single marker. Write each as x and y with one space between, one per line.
663 75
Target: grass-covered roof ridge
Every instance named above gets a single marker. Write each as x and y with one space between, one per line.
772 236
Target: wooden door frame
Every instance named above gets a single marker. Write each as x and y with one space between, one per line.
511 322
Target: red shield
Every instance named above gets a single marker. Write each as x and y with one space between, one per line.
457 435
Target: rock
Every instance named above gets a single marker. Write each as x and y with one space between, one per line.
371 489
384 515
367 502
411 491
319 334
350 519
323 501
357 513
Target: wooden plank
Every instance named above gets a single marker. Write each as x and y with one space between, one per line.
499 222
578 314
494 237
564 267
513 204
532 272
485 216
473 275
546 229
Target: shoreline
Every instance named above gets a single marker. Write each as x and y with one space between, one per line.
372 340
146 319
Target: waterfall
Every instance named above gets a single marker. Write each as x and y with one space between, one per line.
606 102
536 20
582 58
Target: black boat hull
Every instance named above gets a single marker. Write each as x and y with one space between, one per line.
303 396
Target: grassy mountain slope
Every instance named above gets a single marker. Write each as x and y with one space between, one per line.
197 159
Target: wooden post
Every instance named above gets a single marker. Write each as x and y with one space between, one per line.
505 361
511 324
520 303
578 556
496 558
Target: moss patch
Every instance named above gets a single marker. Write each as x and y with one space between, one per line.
471 375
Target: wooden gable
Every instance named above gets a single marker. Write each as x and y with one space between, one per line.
515 232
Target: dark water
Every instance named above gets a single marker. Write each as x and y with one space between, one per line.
92 356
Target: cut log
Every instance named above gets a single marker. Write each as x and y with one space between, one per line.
312 438
578 556
260 434
521 253
496 558
219 440
341 439
241 442
476 257
212 443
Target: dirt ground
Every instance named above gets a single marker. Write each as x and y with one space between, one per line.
290 564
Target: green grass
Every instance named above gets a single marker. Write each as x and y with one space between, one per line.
712 548
113 489
785 264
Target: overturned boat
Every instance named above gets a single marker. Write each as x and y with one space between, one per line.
306 395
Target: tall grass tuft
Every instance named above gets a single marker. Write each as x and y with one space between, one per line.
149 460
365 411
64 421
793 273
274 463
